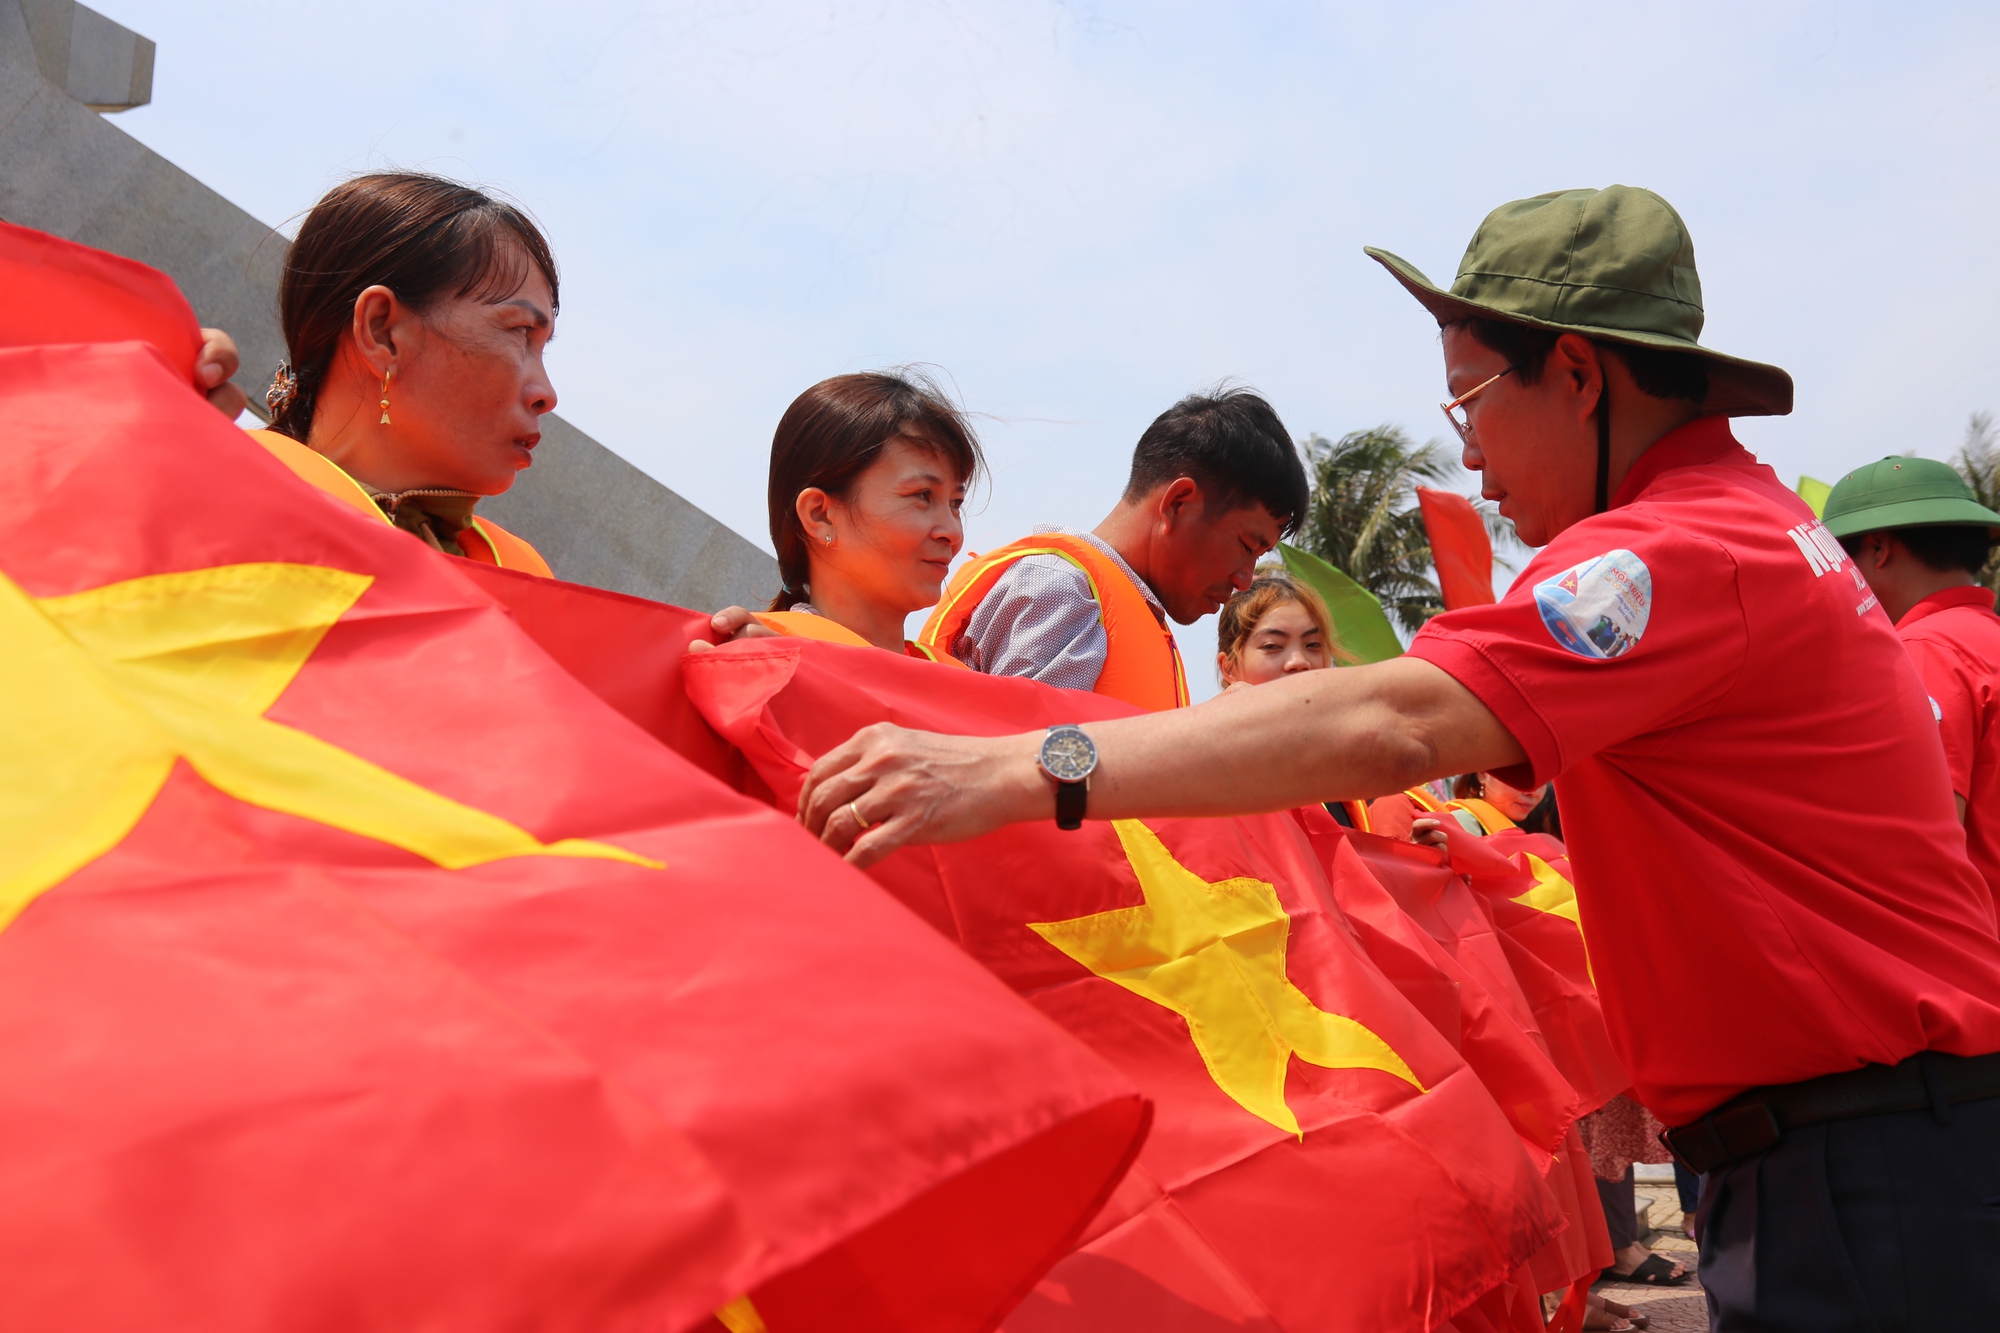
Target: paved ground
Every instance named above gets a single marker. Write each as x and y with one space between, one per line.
1672 1309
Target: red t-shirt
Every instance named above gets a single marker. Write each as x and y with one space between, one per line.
1769 866
1954 638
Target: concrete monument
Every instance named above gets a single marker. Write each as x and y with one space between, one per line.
66 170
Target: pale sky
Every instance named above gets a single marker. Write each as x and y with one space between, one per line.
1080 212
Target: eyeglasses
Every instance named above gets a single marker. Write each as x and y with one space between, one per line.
1455 413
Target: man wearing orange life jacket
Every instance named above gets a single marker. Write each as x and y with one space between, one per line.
1215 483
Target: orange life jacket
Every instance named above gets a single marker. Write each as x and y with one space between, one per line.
1490 820
1488 816
1357 815
1424 801
485 541
806 625
1142 664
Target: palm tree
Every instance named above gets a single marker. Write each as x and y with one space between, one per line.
1979 464
1364 518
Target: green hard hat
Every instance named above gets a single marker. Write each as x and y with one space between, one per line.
1615 264
1904 493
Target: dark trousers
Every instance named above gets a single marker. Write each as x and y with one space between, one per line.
1880 1224
1688 1185
1621 1209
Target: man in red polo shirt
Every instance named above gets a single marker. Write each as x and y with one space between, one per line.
1755 802
1920 538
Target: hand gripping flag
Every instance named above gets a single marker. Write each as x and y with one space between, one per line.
362 970
1321 1157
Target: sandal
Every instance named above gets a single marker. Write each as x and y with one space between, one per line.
1654 1272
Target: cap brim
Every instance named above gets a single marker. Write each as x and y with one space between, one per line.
1916 514
1736 387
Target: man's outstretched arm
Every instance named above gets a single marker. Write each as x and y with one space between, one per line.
1346 734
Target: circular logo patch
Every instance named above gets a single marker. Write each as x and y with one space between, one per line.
1600 607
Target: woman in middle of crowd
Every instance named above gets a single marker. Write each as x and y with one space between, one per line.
1275 628
1490 803
1272 629
868 474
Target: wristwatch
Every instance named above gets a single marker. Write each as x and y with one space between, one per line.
1069 756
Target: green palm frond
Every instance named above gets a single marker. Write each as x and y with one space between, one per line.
1979 464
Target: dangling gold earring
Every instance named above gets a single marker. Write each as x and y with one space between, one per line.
385 397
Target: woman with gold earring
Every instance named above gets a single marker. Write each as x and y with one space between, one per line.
448 296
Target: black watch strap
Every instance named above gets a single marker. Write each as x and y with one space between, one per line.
1072 798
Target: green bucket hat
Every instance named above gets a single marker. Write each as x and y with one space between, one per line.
1904 493
1615 264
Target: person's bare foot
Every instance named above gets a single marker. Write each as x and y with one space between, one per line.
1608 1316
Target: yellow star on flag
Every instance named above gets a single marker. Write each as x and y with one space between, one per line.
1556 896
101 691
1215 955
1552 893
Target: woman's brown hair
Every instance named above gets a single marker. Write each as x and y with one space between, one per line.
423 237
1271 588
834 431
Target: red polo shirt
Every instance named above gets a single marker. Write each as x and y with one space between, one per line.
1954 638
1770 870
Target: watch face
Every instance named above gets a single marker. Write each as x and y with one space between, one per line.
1068 754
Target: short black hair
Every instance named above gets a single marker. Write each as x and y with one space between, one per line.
1230 443
1659 372
1943 548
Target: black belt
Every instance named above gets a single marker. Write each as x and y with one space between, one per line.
1754 1121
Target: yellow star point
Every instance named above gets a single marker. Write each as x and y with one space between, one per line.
1214 953
101 691
1556 896
1552 893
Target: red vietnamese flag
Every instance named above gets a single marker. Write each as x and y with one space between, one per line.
1458 903
1522 883
1564 1018
1334 1165
1461 551
1509 1058
265 1064
60 292
1530 890
625 650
